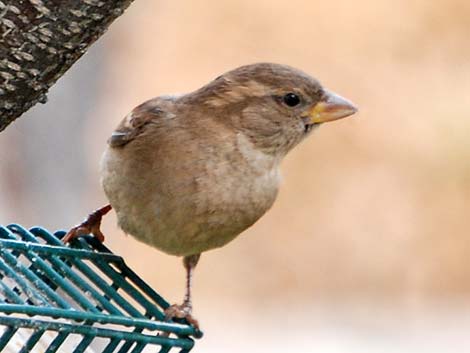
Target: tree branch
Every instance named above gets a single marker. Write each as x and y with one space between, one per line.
40 40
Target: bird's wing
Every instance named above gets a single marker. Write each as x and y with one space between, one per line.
134 123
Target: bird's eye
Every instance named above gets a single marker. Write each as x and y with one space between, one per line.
291 99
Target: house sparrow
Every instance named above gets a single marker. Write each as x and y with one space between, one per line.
186 174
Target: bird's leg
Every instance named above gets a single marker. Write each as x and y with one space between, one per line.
91 225
184 310
190 263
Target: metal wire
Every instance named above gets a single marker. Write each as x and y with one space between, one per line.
50 292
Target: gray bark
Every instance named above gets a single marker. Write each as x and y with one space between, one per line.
40 40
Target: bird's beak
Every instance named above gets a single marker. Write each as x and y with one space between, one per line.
331 107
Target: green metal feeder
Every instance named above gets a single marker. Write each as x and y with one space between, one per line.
82 298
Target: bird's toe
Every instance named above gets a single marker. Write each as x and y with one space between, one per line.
182 311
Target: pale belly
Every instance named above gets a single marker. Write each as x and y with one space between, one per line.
198 214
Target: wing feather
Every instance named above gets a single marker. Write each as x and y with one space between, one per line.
135 122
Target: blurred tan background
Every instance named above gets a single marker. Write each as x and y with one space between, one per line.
367 247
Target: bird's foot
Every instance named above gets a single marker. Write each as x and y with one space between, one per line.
91 225
183 311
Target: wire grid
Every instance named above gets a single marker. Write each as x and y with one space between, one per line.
81 298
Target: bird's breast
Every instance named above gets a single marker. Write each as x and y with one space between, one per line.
243 186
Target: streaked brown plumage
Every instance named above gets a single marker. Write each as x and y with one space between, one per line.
187 174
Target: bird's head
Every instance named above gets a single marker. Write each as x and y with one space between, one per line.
275 106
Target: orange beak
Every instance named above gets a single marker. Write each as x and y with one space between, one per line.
331 107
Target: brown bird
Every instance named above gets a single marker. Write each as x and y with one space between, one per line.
186 174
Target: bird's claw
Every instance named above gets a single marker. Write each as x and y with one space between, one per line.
183 311
91 225
83 228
